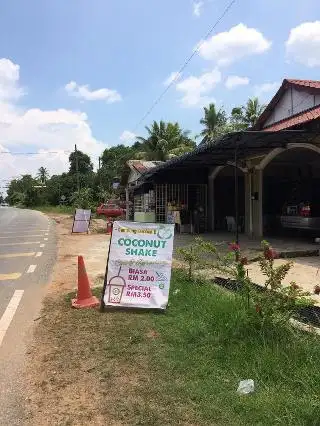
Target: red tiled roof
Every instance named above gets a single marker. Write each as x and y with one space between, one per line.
143 166
311 84
302 117
305 83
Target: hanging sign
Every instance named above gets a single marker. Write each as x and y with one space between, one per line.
81 221
139 265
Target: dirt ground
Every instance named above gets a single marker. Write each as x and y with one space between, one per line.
46 406
93 247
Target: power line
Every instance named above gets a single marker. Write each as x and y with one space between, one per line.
35 153
183 67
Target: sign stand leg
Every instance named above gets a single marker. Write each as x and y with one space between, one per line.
105 283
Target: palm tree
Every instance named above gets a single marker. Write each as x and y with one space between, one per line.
246 116
164 141
43 175
214 122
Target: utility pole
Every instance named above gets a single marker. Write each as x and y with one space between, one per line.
99 171
77 168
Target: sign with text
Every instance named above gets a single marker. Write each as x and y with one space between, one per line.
139 265
81 221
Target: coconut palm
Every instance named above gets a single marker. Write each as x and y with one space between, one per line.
164 141
246 116
214 122
43 175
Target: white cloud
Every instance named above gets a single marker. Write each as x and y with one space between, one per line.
235 81
43 130
303 44
173 77
264 89
197 8
9 77
196 90
84 93
229 46
126 137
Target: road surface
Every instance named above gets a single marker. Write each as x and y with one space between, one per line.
27 256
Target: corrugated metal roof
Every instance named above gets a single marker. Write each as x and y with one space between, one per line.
221 152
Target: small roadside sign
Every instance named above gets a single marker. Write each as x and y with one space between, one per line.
81 221
139 265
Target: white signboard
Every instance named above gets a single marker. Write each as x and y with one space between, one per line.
81 221
139 265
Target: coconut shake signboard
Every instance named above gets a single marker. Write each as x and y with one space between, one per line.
139 265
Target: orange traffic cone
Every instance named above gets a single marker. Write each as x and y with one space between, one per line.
84 296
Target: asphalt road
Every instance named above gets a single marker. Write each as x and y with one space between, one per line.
27 256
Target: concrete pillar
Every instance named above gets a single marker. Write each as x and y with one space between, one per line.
247 205
257 213
210 203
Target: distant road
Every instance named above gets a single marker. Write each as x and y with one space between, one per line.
27 256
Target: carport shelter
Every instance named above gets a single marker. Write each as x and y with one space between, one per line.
247 181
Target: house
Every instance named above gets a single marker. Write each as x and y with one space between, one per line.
260 181
296 105
141 203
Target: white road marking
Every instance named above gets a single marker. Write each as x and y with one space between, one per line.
31 269
38 254
16 244
47 233
8 314
45 239
24 232
31 236
42 245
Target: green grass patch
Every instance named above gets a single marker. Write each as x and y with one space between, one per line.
56 209
183 366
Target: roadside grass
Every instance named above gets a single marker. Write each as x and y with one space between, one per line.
181 367
55 209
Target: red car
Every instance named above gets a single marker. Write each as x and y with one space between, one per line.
111 210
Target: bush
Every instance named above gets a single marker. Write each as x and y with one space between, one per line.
274 302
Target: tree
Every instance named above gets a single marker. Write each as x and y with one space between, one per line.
215 123
246 116
23 192
43 175
1 199
84 163
164 141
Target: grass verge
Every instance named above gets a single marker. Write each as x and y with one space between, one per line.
179 367
56 209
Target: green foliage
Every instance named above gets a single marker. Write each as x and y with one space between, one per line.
43 175
196 255
217 123
214 122
276 303
84 163
164 141
246 116
82 199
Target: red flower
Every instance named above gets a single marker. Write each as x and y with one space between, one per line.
270 254
294 286
244 261
317 289
234 247
258 309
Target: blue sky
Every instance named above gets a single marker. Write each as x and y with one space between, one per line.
85 72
